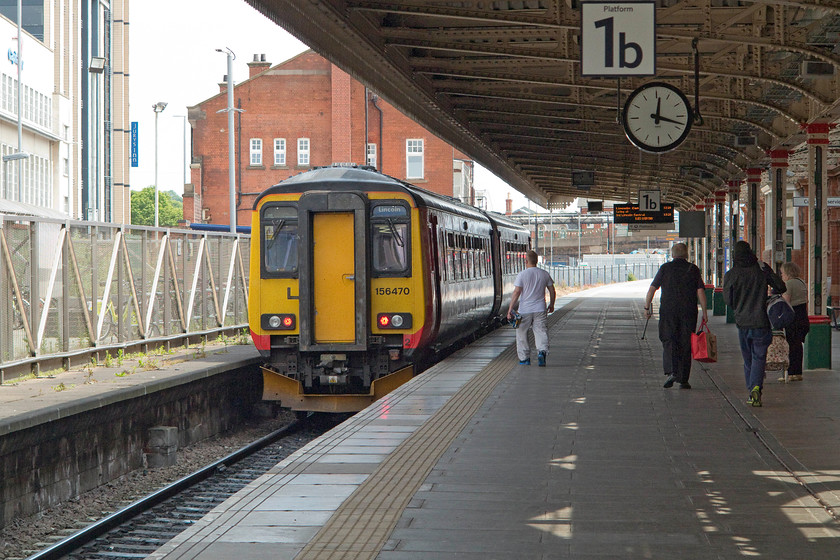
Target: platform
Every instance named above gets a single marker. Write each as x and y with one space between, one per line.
589 457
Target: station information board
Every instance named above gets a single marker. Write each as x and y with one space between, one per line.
630 214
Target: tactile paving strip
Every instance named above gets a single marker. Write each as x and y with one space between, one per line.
363 523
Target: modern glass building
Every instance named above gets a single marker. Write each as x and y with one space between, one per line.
64 131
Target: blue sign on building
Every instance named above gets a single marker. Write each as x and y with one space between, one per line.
134 158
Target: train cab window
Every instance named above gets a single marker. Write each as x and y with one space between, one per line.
390 241
279 228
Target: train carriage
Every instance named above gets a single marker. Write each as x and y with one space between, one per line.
358 279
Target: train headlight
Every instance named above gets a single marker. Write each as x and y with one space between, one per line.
394 320
278 321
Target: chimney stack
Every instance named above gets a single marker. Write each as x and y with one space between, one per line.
258 65
508 206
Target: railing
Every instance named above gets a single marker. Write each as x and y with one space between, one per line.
580 276
112 286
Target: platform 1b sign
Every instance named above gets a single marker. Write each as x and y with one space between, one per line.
618 39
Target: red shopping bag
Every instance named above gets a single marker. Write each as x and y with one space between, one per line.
704 344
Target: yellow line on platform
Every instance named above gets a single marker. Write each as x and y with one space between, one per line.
362 524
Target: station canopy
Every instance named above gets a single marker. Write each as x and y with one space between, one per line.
501 80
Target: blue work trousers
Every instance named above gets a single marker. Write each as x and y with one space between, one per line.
754 344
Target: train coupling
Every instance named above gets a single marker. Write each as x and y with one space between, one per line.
334 370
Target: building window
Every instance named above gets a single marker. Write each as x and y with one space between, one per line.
279 151
371 155
33 15
303 151
414 159
66 167
256 151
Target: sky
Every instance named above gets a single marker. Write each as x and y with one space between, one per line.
173 59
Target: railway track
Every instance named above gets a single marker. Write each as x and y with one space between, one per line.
146 524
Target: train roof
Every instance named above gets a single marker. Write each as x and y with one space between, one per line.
365 178
344 177
502 220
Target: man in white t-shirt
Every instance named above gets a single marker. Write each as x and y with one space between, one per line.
529 290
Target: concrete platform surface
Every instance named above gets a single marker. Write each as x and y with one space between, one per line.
35 401
589 457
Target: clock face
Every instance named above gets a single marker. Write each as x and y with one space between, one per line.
656 117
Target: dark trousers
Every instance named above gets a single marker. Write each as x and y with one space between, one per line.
795 335
675 334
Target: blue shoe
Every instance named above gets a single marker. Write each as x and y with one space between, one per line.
525 362
541 359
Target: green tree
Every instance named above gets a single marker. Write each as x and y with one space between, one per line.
170 207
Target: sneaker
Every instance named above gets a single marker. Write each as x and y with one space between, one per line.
755 396
784 379
525 362
685 385
541 359
669 382
794 378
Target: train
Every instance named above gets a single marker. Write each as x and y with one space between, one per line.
360 280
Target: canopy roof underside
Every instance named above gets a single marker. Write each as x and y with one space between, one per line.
501 80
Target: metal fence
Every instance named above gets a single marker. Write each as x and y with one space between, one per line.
69 287
580 276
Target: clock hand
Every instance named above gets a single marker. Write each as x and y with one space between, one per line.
655 116
666 119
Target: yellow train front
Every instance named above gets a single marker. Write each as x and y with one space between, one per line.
349 291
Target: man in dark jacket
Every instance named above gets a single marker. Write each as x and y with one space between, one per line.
745 290
682 287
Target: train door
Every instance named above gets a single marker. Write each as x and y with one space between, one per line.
333 271
437 285
333 276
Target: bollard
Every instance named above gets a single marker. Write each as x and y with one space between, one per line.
718 308
710 293
162 450
818 344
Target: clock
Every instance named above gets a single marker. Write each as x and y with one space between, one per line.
656 117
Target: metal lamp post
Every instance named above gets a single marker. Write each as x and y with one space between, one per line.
231 142
158 109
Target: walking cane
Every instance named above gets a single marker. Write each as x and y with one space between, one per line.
645 329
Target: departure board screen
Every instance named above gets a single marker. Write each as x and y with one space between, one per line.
630 214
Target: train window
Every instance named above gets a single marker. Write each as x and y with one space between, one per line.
390 241
279 229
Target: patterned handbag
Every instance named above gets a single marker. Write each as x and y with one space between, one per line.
778 353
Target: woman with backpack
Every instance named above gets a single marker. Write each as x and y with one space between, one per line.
797 296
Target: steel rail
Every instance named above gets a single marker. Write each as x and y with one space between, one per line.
99 528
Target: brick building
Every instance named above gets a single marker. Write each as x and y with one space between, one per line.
301 114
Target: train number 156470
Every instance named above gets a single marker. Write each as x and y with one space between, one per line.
392 291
